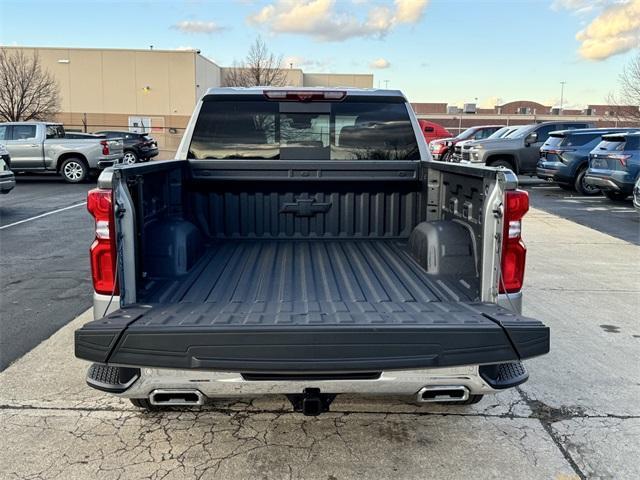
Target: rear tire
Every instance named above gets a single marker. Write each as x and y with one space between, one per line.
616 196
143 403
469 401
74 170
583 188
129 158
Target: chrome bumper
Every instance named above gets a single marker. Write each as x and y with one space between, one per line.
232 384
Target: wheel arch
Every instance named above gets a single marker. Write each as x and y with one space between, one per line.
507 157
67 155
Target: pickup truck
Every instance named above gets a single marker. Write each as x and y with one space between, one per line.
304 243
520 151
43 147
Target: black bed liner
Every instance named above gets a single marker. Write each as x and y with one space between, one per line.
309 305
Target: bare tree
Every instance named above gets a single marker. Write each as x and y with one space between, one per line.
626 104
27 91
260 67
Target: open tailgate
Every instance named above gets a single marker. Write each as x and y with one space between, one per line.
263 337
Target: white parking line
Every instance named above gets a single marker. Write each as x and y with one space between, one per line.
43 215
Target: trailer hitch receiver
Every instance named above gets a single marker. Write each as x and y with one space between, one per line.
311 402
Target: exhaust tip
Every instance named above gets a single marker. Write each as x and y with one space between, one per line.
443 393
176 398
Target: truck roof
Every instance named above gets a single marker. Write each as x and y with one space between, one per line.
349 91
31 122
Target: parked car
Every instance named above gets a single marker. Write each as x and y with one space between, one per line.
614 165
636 195
520 151
43 147
443 149
564 157
138 147
433 131
7 179
274 257
461 149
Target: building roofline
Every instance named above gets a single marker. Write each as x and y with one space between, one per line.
35 47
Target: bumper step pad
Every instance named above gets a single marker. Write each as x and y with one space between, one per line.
504 375
111 379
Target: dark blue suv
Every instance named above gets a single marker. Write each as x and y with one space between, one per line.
564 157
614 165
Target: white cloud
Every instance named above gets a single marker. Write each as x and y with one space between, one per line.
300 62
380 63
615 30
321 19
197 26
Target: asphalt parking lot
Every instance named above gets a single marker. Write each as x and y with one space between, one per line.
577 416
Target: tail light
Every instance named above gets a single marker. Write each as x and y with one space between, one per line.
103 249
304 95
620 157
105 147
514 251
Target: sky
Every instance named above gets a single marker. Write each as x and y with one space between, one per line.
453 51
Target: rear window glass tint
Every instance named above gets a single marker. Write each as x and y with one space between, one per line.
611 145
578 140
554 141
256 130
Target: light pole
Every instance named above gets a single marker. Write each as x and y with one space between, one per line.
562 94
386 84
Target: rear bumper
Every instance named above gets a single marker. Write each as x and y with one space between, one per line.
609 183
214 384
148 152
7 182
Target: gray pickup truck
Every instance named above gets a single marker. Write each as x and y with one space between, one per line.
520 151
305 243
43 147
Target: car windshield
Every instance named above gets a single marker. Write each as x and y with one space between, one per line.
499 133
356 129
521 132
467 133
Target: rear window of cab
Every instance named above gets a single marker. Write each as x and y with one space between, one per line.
259 129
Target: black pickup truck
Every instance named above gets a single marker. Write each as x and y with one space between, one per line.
304 243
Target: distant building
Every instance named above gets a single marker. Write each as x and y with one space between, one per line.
146 90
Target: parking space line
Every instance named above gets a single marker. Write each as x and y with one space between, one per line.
43 215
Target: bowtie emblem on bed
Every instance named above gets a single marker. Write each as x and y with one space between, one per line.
305 207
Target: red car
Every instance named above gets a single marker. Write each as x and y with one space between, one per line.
442 149
433 131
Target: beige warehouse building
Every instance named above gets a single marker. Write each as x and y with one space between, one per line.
154 90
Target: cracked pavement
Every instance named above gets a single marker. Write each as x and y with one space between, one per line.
576 417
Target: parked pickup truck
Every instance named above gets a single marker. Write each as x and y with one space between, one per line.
520 151
43 147
304 243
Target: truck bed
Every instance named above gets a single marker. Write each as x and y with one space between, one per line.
309 305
